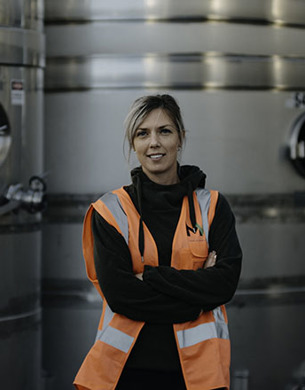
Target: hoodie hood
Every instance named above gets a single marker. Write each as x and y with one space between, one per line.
186 173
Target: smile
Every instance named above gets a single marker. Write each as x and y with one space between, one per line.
156 156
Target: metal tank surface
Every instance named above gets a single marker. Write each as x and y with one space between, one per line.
238 71
21 194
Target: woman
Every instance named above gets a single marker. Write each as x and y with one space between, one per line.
150 249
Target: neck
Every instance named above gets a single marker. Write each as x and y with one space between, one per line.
163 179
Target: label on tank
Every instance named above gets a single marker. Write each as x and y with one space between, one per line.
17 92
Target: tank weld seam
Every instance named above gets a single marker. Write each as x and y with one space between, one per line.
14 317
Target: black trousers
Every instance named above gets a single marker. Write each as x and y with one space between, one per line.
132 379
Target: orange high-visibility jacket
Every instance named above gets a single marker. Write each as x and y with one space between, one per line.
203 345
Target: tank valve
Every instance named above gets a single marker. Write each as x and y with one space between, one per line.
32 199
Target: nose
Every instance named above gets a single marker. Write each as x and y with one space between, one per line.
154 140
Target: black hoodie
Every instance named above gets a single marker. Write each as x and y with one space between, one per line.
165 296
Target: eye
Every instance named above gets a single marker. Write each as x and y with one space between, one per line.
165 131
141 133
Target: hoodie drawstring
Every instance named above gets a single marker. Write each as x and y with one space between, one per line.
141 228
191 206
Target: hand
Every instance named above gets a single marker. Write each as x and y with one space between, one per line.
211 260
139 276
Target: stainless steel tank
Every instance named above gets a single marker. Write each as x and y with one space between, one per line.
238 72
21 134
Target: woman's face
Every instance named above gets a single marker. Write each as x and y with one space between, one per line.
156 142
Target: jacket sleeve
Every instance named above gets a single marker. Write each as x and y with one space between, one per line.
126 294
209 287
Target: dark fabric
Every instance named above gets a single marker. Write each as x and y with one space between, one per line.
132 379
167 295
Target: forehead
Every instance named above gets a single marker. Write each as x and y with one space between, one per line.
156 118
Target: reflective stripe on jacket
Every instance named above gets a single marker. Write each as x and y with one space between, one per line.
203 345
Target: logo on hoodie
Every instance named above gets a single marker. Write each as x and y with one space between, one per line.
193 230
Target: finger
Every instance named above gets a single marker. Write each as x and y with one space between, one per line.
211 260
139 276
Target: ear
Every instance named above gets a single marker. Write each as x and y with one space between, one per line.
182 137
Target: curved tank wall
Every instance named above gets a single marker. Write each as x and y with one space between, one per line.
21 115
238 74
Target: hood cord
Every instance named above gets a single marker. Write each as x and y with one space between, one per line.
191 207
141 228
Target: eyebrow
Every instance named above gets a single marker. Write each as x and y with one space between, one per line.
160 127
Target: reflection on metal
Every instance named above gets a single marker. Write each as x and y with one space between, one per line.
122 37
72 293
297 145
208 70
5 135
280 12
288 208
22 43
19 46
27 14
270 291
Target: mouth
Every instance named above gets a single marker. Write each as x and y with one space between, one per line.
156 156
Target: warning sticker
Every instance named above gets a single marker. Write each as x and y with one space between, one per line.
17 92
